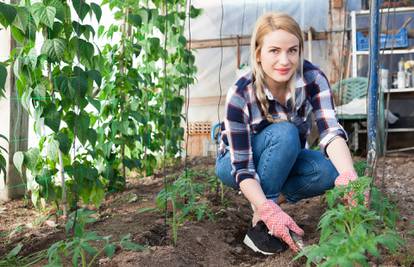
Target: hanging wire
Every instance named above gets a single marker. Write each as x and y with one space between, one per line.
242 25
74 154
187 89
242 29
165 110
221 64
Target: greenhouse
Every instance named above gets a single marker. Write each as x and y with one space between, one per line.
206 133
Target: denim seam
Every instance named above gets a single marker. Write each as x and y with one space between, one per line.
314 165
268 134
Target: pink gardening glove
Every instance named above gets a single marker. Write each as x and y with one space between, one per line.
343 179
279 223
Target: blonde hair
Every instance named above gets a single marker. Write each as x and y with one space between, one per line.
267 23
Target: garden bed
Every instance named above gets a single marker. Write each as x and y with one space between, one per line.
215 242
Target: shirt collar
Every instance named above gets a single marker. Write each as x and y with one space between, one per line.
299 83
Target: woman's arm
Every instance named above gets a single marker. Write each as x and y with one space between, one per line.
252 190
339 155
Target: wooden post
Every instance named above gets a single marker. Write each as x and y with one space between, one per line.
310 39
238 52
18 126
337 42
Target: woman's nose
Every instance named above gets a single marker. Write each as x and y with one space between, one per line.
284 59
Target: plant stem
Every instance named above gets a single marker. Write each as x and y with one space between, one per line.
174 223
83 258
94 257
62 180
348 228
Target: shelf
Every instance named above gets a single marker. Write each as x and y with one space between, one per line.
388 51
393 130
387 10
399 90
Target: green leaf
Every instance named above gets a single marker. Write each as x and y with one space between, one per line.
89 30
22 19
95 103
64 142
92 136
31 158
61 84
101 30
135 20
39 92
97 10
96 76
81 8
195 12
52 117
97 195
53 149
86 50
82 127
62 10
109 250
7 14
128 245
18 159
132 163
88 248
3 77
15 251
79 28
54 49
43 14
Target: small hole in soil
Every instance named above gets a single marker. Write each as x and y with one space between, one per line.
156 236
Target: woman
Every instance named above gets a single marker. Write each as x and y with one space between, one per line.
262 151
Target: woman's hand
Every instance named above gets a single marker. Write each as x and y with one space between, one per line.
279 223
343 180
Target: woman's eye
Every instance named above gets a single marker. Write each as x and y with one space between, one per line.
293 51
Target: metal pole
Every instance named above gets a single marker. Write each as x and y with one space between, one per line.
373 83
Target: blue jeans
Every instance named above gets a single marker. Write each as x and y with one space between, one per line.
283 167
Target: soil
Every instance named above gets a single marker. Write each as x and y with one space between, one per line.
217 242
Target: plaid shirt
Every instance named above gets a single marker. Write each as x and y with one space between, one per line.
243 117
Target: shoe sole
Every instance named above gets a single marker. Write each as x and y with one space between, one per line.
248 242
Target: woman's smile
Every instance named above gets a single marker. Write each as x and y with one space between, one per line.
282 71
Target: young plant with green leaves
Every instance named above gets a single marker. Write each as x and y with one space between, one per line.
350 233
103 113
84 247
184 198
147 72
55 86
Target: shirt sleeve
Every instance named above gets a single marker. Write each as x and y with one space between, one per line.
325 115
239 137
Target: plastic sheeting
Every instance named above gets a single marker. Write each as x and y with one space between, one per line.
217 67
239 16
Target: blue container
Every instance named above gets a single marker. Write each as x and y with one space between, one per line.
398 40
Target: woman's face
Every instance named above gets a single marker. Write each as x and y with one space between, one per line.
279 56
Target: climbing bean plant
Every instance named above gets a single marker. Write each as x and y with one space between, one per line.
98 110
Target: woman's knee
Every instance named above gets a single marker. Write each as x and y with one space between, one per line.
285 135
312 175
224 169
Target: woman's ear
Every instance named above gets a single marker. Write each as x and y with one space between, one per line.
258 56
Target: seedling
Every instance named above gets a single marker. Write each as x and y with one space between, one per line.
350 233
184 198
80 246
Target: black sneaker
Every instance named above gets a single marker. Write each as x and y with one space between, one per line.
259 240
